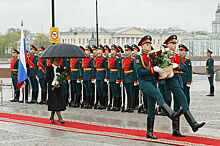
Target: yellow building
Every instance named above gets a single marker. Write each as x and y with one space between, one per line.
119 36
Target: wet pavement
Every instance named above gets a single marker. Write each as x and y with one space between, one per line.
203 108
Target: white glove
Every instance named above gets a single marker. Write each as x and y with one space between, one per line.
188 85
121 84
93 81
157 69
78 81
105 80
117 82
209 76
163 77
175 65
170 75
135 84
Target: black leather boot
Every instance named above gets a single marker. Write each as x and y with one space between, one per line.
132 105
192 122
170 113
16 96
33 98
150 128
44 98
176 128
211 91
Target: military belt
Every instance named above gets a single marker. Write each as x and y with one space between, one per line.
87 68
14 69
100 69
129 71
113 69
74 69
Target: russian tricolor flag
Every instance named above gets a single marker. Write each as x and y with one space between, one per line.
22 69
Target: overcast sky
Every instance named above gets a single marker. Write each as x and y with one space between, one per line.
36 14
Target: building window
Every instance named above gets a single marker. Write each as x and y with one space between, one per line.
79 40
63 40
74 41
104 41
153 41
87 40
158 41
83 41
110 41
71 41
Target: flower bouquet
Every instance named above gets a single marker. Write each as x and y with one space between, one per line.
61 78
161 58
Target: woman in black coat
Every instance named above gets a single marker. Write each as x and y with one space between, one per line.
56 100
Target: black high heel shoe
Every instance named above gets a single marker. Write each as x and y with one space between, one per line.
52 120
61 122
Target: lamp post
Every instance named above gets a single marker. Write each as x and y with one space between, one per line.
97 28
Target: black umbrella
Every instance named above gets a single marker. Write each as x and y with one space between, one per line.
64 51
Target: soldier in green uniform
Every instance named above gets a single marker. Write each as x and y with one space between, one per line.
94 51
106 55
101 66
210 72
14 75
75 65
186 76
147 74
65 62
114 76
175 85
42 64
32 72
129 78
88 76
135 51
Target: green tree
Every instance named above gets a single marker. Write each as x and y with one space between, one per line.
42 40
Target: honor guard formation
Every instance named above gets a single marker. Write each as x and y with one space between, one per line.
119 79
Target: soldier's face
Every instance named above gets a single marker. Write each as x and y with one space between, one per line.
127 53
208 54
87 52
14 54
134 53
32 51
99 51
94 52
40 52
172 46
146 47
113 52
182 52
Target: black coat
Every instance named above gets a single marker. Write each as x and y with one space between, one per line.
56 100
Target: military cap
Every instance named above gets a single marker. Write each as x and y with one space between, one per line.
41 48
209 51
94 47
107 48
89 48
15 51
144 40
135 47
120 49
33 47
114 47
171 39
183 47
81 47
128 47
101 47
